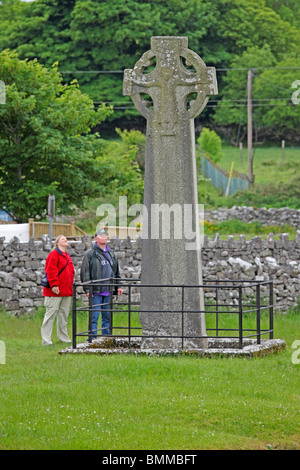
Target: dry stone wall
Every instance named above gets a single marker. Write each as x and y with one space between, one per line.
22 266
250 214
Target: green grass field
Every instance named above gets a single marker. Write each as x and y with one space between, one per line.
268 165
276 180
52 401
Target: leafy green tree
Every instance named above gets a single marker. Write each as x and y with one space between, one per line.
136 140
114 34
232 110
246 24
288 10
274 114
39 29
277 113
46 146
101 36
11 13
106 36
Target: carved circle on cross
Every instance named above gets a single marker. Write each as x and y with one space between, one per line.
199 82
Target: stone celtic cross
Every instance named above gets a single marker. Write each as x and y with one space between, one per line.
177 95
170 84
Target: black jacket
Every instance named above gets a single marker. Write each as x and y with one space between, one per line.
91 268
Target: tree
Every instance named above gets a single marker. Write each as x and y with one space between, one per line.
101 36
288 10
39 29
246 24
277 113
106 35
211 144
273 111
232 110
46 146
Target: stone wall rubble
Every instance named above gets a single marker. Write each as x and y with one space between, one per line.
269 217
22 267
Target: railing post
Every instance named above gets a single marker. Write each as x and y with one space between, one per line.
111 293
90 312
182 316
31 228
217 310
72 229
240 317
74 318
129 314
271 300
258 313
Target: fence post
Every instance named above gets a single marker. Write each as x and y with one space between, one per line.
74 322
240 318
90 312
111 293
182 316
271 299
258 313
129 314
217 310
72 229
31 228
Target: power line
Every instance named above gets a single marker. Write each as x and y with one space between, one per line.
258 68
220 106
253 104
217 69
242 100
91 71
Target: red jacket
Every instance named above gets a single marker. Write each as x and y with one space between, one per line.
55 261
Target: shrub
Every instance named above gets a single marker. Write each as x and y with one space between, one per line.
211 144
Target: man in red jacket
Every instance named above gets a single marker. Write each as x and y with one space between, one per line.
60 273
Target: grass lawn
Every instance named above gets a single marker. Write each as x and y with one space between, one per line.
276 181
52 401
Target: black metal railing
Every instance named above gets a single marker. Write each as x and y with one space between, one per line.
216 296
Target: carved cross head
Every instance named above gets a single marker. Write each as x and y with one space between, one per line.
179 74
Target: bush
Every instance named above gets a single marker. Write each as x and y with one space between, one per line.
211 144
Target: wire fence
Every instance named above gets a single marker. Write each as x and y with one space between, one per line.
221 179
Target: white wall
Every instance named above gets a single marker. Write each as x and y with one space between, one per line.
15 230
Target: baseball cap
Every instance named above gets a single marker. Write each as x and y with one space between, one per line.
101 232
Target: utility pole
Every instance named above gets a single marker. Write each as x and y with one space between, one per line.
249 127
51 211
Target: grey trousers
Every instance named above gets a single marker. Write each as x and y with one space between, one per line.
56 307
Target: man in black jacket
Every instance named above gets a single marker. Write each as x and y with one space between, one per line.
100 263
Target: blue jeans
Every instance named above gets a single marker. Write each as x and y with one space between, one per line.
105 314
